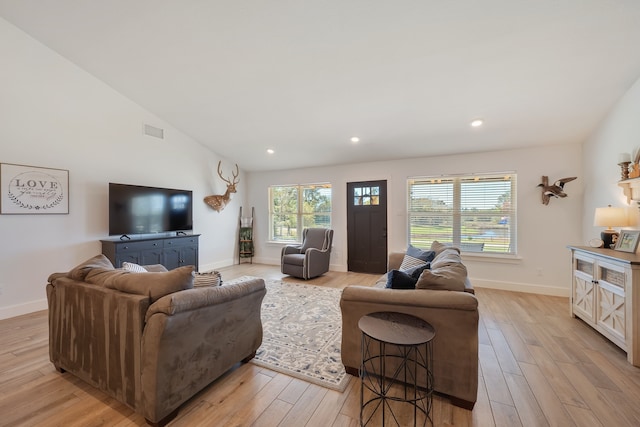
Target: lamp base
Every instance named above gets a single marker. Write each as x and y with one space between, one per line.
609 237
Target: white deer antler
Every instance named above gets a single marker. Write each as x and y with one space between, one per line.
218 202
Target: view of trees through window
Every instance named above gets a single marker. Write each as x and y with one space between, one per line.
295 207
476 213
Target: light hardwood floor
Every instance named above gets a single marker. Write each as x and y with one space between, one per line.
538 367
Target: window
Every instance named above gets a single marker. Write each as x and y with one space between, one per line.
366 196
474 212
295 207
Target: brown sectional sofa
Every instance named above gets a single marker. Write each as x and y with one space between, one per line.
150 340
453 314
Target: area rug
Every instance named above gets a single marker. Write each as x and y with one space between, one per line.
302 327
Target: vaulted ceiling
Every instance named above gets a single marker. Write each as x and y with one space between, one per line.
303 77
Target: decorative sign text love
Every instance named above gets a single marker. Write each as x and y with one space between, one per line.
33 190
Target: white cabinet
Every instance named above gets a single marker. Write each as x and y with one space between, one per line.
604 293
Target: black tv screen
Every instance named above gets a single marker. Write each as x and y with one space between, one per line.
134 209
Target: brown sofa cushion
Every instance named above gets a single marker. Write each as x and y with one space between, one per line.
153 284
447 271
438 247
80 271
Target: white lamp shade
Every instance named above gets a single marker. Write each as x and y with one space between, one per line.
610 217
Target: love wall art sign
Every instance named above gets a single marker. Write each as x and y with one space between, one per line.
33 190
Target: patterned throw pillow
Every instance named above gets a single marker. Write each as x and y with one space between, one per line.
207 278
415 257
134 268
415 272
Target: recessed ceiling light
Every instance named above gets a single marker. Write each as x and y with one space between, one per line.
477 122
270 150
355 139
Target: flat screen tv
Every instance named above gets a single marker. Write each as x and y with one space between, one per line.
134 209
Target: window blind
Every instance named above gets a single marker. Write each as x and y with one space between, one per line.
475 212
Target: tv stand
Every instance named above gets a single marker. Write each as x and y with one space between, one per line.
172 252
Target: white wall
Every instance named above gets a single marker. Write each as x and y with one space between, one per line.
543 231
55 115
618 133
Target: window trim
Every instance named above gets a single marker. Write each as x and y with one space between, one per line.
300 209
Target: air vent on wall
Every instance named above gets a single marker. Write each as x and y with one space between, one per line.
153 131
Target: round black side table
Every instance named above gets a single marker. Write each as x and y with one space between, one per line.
396 369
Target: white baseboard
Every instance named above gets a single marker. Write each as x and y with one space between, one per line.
20 309
522 287
480 283
215 265
338 267
266 261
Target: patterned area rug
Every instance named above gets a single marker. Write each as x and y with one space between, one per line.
302 333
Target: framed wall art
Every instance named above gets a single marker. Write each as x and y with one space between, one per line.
628 241
33 190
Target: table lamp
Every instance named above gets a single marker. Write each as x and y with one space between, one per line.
610 217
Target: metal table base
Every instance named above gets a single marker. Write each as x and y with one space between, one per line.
397 357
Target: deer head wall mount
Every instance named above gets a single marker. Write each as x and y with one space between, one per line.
218 202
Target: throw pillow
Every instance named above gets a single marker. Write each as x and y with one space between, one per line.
415 272
438 247
415 257
155 268
207 278
134 268
446 257
397 279
80 271
447 272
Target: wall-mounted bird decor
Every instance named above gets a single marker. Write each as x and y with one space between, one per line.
554 190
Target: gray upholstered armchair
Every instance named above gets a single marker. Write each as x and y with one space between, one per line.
310 259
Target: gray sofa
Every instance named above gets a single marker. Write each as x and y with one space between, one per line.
150 340
453 314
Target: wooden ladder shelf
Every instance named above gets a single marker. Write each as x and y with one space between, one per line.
245 237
